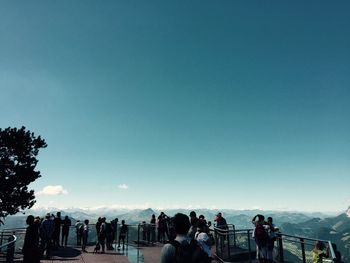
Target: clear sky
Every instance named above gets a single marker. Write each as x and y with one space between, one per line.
213 104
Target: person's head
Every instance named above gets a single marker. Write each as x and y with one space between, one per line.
319 245
193 214
30 220
258 219
269 220
123 222
86 221
66 217
48 215
218 217
201 217
58 214
153 216
201 225
181 224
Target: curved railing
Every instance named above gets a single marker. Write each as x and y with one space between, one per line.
238 244
7 246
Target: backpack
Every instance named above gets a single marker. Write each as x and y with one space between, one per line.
261 236
81 229
189 252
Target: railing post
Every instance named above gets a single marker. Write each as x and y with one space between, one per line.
138 235
280 248
234 235
216 241
249 247
303 249
10 253
2 237
228 243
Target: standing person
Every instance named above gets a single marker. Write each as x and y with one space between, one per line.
271 229
31 242
114 229
161 230
65 230
102 234
261 238
109 235
182 226
221 221
153 228
221 224
46 230
98 229
122 234
318 252
57 230
79 229
182 248
193 222
85 235
204 241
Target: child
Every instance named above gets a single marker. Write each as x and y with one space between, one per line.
318 253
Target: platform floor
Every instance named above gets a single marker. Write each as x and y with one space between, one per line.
149 254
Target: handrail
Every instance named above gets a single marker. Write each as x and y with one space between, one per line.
12 239
9 247
224 248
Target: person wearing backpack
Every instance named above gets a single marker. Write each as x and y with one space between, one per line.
261 238
182 249
204 241
79 227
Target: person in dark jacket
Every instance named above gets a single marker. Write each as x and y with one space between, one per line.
57 230
31 242
66 223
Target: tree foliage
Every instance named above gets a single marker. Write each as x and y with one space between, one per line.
18 151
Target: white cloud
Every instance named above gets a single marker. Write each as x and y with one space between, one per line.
123 186
53 190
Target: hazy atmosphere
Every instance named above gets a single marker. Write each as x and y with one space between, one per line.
182 104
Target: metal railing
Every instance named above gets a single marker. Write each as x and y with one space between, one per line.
238 244
7 246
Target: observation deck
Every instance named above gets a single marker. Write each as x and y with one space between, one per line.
231 245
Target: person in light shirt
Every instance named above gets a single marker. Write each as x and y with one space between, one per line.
85 235
203 239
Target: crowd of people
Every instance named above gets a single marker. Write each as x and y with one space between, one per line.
43 235
185 238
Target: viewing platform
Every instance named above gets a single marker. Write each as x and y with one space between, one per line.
231 245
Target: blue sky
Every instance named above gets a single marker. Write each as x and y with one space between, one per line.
213 104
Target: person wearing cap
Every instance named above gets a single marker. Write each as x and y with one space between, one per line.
220 221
